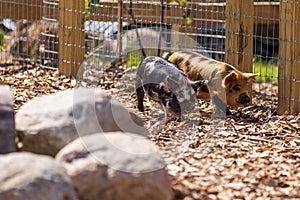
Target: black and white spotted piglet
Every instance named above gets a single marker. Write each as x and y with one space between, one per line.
165 83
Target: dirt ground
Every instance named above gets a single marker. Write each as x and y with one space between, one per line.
254 154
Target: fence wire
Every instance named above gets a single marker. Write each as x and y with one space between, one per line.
31 31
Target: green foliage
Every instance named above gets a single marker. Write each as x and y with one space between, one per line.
268 70
135 57
33 58
2 38
91 6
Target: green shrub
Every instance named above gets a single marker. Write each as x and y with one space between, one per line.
268 70
2 38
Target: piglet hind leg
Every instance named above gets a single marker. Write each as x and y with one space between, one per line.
167 115
140 98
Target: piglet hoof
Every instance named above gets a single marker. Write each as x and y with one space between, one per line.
180 119
228 112
200 122
167 121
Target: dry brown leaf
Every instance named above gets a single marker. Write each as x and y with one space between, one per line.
255 155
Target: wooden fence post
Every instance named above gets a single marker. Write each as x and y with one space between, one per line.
71 37
120 30
239 34
289 55
295 88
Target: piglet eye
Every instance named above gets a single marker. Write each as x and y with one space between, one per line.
180 95
236 87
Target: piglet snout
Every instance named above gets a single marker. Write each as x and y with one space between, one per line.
244 99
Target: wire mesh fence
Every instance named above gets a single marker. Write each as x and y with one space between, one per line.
259 36
49 35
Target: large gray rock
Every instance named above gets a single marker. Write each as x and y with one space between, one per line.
27 176
46 124
7 121
115 165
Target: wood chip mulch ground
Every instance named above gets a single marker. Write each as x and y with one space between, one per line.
255 154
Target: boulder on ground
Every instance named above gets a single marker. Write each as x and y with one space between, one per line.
27 176
115 165
7 121
45 124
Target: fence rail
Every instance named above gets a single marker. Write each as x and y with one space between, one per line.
26 9
241 18
21 9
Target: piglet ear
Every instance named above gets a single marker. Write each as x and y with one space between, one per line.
230 78
201 84
250 76
195 85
